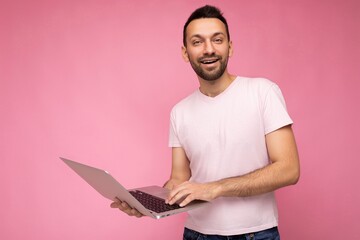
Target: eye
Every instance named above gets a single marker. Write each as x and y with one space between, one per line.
196 42
218 40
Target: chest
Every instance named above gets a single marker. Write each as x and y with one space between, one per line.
234 123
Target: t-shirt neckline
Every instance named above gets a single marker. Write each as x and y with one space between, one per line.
219 96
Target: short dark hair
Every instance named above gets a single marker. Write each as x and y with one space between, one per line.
206 11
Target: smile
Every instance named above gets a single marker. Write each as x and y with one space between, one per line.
209 60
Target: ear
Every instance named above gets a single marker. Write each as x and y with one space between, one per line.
184 54
230 49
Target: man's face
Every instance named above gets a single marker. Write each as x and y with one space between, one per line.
208 48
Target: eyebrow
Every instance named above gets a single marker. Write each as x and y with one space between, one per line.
200 36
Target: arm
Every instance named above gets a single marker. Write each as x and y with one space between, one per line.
180 170
283 170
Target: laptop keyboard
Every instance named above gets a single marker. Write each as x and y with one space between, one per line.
153 203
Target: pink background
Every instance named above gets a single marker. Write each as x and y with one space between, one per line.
95 80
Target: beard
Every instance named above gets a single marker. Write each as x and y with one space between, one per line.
211 74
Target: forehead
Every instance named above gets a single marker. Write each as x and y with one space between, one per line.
205 27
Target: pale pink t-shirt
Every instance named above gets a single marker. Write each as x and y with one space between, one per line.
224 137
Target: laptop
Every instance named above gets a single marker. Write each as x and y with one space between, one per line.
150 200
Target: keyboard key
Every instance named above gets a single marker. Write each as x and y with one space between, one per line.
153 203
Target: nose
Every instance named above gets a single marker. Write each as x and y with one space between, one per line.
208 48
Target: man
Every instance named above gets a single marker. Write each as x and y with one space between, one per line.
232 142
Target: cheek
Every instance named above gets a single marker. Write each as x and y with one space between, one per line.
191 57
194 53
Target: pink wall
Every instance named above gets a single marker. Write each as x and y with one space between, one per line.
95 80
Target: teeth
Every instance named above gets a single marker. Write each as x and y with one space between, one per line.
209 61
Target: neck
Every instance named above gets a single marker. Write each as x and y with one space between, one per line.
215 87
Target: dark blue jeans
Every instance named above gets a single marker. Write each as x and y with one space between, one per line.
269 234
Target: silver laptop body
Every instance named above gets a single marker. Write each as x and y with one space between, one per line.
107 186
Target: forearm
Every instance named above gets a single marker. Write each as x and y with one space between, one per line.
264 180
180 171
258 182
284 170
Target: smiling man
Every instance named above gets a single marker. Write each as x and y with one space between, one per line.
208 52
232 142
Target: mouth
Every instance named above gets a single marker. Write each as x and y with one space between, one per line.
209 60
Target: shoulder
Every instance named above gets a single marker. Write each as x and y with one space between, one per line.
256 82
185 103
256 86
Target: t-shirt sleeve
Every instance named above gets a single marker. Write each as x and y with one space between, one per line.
173 137
274 110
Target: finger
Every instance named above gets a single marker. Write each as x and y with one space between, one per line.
116 203
175 192
126 208
123 206
180 195
187 200
129 210
135 213
172 198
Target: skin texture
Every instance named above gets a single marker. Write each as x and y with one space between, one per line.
208 50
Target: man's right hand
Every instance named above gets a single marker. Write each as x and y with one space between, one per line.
124 207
